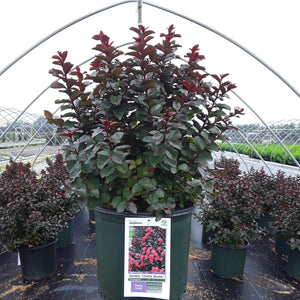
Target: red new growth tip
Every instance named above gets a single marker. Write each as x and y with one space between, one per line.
191 87
68 134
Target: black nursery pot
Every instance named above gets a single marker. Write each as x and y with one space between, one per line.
65 237
281 245
293 264
228 262
38 262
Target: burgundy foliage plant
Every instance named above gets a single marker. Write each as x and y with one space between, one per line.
140 125
232 208
32 209
286 213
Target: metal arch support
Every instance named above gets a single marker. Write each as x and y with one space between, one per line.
270 129
43 148
181 16
238 154
61 29
21 114
39 95
169 11
265 124
33 136
250 145
229 40
139 8
33 101
251 54
294 144
286 137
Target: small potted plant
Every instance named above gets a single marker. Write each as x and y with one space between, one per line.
286 219
140 126
57 176
263 185
30 219
230 168
230 212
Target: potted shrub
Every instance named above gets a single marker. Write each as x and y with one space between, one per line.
140 127
230 168
230 212
263 185
286 219
30 219
57 176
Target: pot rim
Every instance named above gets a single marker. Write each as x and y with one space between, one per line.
177 212
227 246
38 247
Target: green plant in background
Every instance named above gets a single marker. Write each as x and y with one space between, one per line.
140 127
270 152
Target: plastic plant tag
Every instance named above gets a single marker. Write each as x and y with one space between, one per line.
147 258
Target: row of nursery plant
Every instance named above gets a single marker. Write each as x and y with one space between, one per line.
269 152
35 214
238 199
34 209
234 206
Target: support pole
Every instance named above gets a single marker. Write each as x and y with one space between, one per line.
139 8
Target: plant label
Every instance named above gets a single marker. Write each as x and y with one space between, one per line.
147 258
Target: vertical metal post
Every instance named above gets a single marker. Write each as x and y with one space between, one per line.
139 8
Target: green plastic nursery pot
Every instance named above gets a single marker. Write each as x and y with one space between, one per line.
38 262
281 245
65 237
293 264
227 262
92 215
110 252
